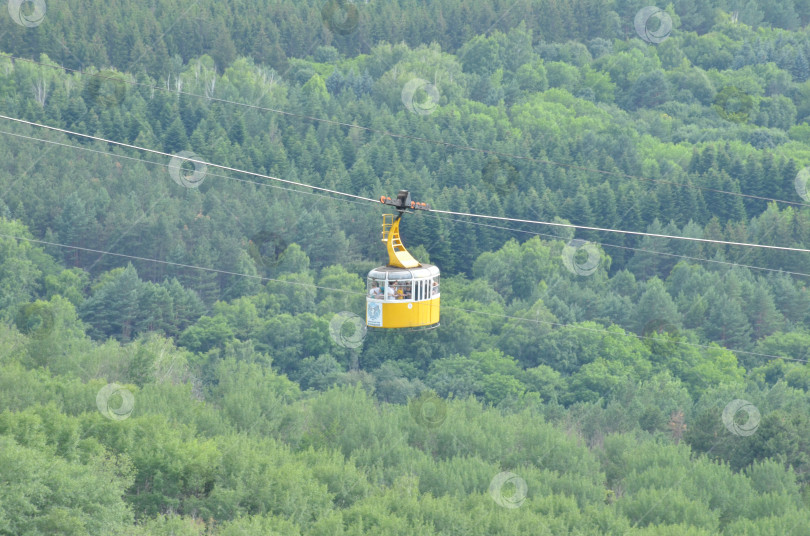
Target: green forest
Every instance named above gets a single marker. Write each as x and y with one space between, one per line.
183 348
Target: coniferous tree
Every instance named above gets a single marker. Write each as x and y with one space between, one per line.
725 321
763 316
112 309
655 307
175 139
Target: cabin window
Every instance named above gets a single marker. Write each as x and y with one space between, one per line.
397 290
376 286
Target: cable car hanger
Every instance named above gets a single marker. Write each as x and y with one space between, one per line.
403 202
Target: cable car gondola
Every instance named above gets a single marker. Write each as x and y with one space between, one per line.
404 293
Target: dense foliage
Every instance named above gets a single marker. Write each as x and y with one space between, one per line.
169 359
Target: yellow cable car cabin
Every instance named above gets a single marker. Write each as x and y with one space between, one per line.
404 293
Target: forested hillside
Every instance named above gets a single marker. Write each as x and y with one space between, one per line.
183 348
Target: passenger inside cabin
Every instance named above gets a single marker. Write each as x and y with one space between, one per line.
375 293
391 290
